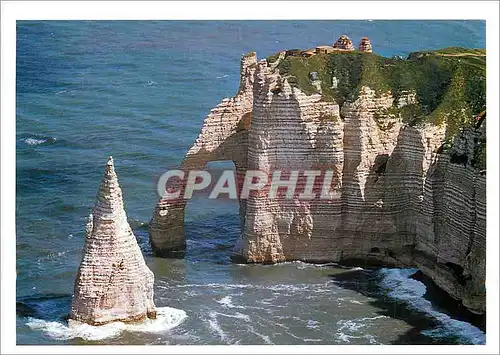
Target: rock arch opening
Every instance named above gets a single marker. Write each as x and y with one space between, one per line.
212 225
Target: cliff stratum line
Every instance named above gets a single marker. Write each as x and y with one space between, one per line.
406 141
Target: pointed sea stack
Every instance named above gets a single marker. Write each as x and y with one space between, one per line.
113 282
365 45
344 43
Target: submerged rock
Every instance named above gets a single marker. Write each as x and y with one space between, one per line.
113 282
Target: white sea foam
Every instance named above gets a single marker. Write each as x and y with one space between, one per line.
227 302
403 288
266 338
191 293
305 265
167 318
34 141
309 340
290 288
354 325
355 302
218 285
215 326
347 338
349 329
278 287
237 315
302 264
312 324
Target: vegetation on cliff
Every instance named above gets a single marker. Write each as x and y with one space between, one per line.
450 84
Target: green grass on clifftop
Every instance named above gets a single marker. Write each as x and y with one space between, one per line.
450 83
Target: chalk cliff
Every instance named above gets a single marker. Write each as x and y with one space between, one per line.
113 282
409 184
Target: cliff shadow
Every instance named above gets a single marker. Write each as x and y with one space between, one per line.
44 306
379 215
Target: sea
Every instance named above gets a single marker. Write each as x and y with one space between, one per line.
139 91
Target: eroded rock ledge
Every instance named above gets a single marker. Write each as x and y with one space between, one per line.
409 184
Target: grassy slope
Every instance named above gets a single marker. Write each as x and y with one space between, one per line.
450 83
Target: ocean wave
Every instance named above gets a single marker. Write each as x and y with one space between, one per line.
312 324
346 338
218 285
39 141
314 289
237 315
215 327
355 302
354 325
304 264
401 287
265 338
227 302
349 329
167 318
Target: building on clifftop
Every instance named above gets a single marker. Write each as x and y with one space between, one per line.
344 43
365 45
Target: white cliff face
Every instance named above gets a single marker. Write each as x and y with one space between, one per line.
113 281
397 200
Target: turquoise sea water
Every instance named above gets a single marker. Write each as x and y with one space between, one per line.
139 90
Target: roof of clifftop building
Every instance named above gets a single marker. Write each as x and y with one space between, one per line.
365 45
344 43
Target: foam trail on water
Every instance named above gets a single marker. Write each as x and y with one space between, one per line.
167 318
353 326
227 302
403 288
216 328
38 141
33 141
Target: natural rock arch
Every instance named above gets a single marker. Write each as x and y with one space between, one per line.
223 136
